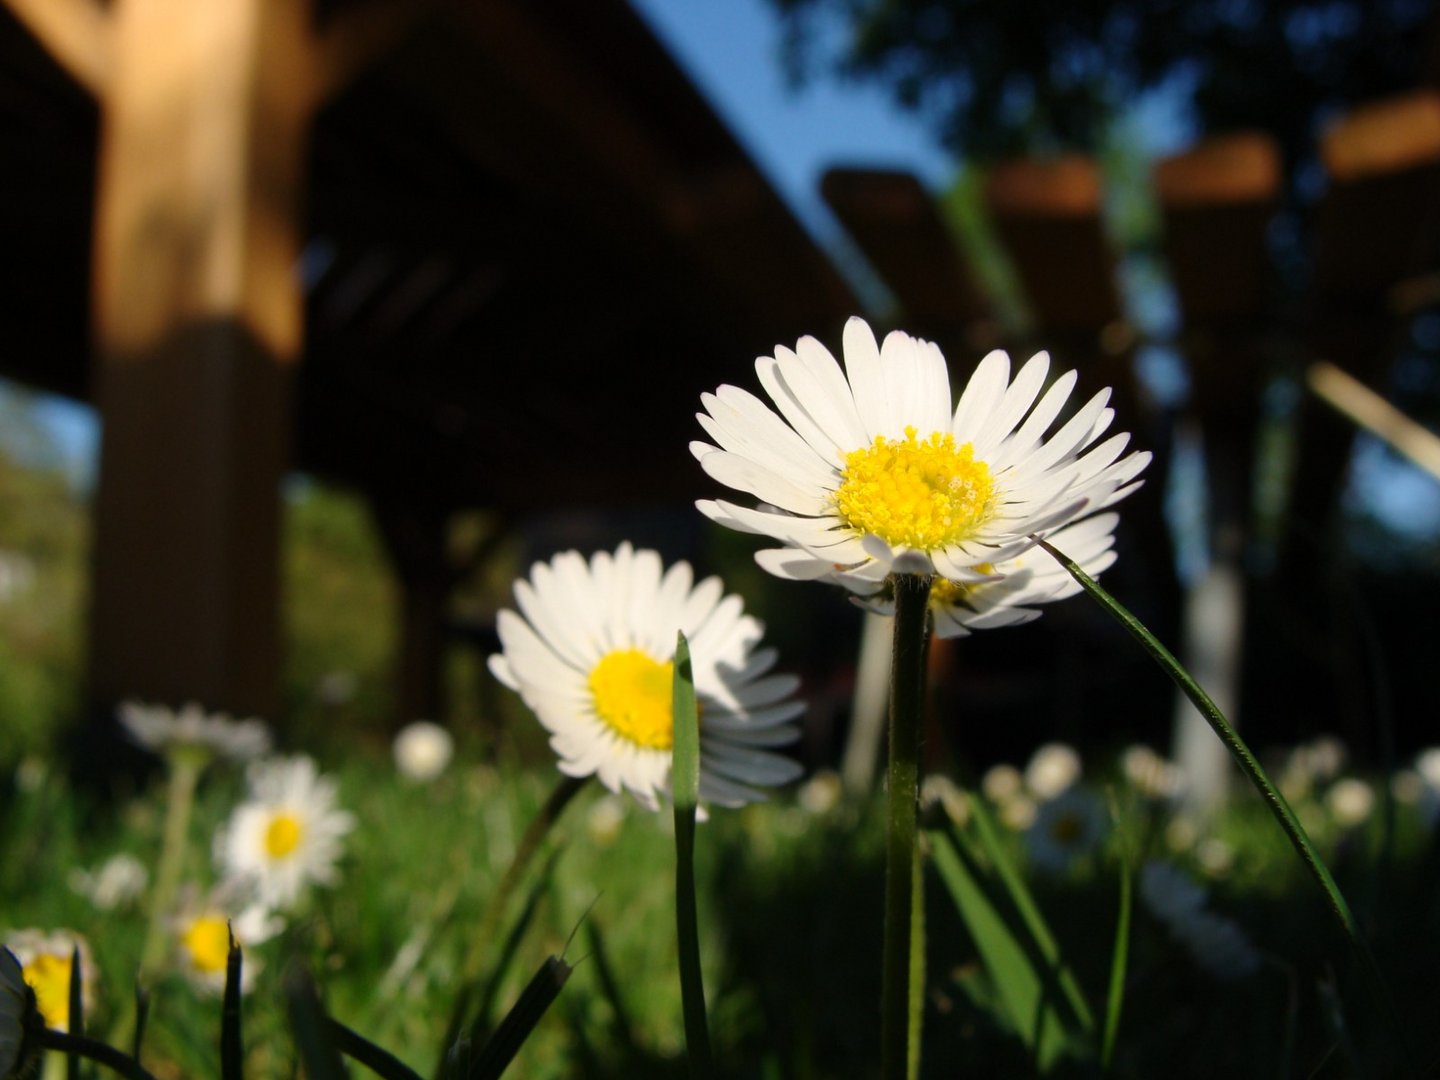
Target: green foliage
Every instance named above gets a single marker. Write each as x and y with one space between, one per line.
338 666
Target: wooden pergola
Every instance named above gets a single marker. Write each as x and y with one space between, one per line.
450 254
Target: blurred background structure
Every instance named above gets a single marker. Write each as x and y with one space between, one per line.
464 258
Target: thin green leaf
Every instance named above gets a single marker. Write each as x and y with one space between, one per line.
85 1047
310 1025
1119 963
1028 910
232 1052
520 1021
142 1014
77 1010
375 1058
1249 765
610 987
479 1029
685 790
1022 990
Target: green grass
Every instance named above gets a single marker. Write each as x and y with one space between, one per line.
790 916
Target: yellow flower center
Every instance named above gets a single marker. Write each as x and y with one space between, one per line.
633 694
282 835
911 493
207 940
49 976
1067 829
945 592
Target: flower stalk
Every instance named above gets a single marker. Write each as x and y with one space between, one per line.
899 1042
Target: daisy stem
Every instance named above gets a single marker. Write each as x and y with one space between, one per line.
1248 764
898 1037
530 842
180 799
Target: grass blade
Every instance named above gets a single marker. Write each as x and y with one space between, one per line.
77 1010
1028 910
685 790
1119 963
375 1058
1249 765
520 1021
1023 993
232 1052
310 1024
82 1046
142 1014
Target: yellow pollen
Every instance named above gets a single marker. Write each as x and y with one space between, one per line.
943 591
207 940
633 694
1066 829
49 976
282 835
922 494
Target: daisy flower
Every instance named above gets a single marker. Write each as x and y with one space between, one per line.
202 937
20 1019
592 651
422 750
193 730
872 470
45 962
1067 827
119 881
287 834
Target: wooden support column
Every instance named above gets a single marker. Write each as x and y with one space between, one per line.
197 327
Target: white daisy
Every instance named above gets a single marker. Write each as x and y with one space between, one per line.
1052 770
422 750
287 834
162 730
120 881
202 936
869 470
592 655
46 960
1066 828
20 1019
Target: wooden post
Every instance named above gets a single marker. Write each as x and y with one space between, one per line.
197 324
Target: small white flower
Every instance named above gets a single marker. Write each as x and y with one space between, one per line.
876 469
592 655
603 822
1065 829
121 880
820 794
1350 801
1215 856
20 1018
1052 769
1002 783
203 929
46 960
191 729
1018 812
1149 773
422 750
937 788
287 834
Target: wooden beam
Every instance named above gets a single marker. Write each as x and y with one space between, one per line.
354 40
197 323
77 33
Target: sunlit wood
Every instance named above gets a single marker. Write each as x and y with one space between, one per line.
76 33
1372 412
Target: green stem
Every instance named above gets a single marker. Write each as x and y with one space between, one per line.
907 696
185 771
530 843
1279 808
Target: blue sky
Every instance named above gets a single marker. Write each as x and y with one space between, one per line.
731 50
